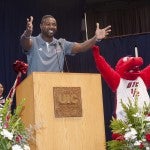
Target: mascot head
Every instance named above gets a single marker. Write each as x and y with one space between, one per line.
129 67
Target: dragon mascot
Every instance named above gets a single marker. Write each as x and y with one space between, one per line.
127 80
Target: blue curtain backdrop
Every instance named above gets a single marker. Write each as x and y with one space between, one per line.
13 16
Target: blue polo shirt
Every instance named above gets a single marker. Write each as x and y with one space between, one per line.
44 56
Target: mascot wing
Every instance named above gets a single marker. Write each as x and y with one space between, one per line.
111 77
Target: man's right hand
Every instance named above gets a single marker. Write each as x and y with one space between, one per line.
26 40
29 26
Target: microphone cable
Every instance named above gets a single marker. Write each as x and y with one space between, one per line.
58 59
65 59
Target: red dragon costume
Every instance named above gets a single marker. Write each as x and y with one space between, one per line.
126 80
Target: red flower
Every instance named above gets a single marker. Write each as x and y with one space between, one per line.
148 114
141 146
8 117
117 136
6 125
18 138
147 137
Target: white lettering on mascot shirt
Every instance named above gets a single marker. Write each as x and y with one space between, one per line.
128 89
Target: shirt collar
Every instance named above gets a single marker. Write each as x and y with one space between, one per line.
54 41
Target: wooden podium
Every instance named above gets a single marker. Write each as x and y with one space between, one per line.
66 110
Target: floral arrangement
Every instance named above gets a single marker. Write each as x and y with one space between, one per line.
133 132
13 134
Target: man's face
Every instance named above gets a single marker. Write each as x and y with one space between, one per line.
48 27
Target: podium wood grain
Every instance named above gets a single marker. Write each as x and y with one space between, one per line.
69 133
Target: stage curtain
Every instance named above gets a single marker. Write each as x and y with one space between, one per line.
13 15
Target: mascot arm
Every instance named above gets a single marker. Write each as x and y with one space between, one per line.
145 75
111 77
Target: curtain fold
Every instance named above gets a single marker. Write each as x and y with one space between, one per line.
125 17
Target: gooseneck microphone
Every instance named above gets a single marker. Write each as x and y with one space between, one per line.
59 44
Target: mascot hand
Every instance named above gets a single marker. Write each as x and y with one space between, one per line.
96 50
108 73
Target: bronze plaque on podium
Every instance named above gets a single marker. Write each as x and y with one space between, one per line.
67 102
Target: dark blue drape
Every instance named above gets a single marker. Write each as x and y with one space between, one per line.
13 16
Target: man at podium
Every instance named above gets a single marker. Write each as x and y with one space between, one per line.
45 52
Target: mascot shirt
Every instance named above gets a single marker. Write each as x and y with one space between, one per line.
129 89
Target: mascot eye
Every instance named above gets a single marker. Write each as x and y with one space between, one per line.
125 59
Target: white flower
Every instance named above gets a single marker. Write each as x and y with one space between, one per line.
130 125
138 115
127 129
147 148
7 134
147 118
143 140
131 134
26 147
137 143
17 147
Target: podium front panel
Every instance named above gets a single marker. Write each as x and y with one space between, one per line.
85 131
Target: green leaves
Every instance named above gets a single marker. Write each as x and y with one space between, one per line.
132 132
118 126
12 129
116 145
